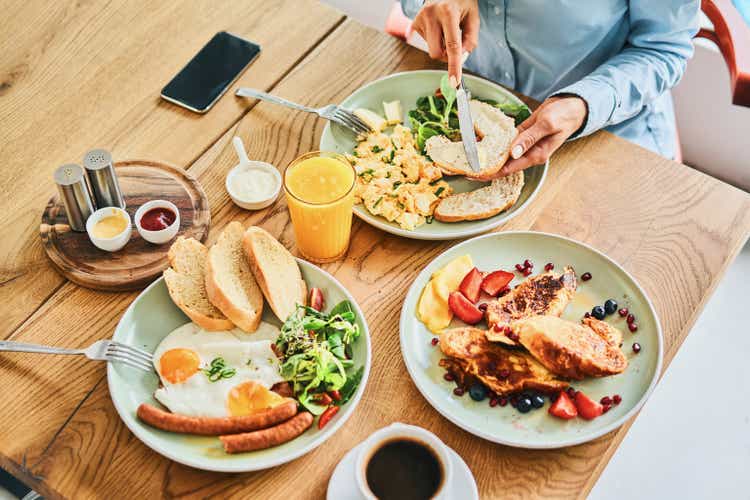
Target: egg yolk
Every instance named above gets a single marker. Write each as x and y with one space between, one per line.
251 397
178 365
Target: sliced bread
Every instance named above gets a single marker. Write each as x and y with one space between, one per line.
276 271
497 132
186 283
481 203
229 281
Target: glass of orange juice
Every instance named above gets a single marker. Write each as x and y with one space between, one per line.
319 190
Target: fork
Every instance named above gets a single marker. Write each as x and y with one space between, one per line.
102 350
332 112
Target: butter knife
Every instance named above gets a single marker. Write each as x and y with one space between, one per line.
466 125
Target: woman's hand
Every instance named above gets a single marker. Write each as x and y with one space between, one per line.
544 131
450 28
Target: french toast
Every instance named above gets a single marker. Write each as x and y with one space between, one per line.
569 349
604 330
470 357
543 294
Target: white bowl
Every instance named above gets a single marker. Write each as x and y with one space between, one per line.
109 244
162 235
253 204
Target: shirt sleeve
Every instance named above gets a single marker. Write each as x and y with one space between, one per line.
411 7
652 61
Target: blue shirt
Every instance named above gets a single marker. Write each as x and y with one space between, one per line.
620 56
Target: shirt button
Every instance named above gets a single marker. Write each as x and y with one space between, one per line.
507 75
497 10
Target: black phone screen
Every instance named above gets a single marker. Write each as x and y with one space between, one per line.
206 77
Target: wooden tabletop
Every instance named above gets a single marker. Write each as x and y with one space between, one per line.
77 75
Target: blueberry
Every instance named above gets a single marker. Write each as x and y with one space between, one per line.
610 306
524 405
478 392
537 401
598 312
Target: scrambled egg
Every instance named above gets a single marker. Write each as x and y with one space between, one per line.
395 181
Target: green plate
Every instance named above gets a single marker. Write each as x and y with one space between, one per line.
538 429
150 318
407 87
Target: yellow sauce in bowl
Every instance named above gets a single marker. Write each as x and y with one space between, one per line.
110 226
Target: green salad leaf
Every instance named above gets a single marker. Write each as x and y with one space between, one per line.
316 349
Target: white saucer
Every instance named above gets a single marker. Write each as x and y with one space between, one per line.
342 485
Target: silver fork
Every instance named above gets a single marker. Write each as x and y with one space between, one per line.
102 350
332 112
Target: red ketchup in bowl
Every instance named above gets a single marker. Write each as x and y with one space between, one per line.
158 218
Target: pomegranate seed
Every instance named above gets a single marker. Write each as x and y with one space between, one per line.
520 268
571 392
527 271
435 341
606 408
502 401
528 264
632 327
587 314
482 307
449 377
623 312
458 391
616 399
586 276
549 266
498 328
514 401
493 402
606 400
630 318
636 347
504 373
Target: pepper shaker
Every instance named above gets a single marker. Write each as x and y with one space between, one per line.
71 184
102 178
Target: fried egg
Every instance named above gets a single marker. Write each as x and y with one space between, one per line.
217 374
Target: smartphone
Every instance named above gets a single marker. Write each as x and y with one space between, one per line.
208 75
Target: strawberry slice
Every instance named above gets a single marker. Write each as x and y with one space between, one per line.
470 285
587 408
494 282
464 309
563 407
317 301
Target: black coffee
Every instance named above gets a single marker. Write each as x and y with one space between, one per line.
404 469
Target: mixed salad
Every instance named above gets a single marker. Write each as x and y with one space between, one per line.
316 350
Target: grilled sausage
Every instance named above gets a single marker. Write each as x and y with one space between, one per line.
268 438
216 426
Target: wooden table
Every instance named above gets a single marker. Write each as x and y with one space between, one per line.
77 75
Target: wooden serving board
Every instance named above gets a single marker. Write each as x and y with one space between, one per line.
139 262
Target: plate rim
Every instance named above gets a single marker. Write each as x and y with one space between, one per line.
143 437
515 443
488 224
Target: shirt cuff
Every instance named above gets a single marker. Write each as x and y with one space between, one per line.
601 101
411 7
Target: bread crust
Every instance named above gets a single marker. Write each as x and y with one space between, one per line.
444 216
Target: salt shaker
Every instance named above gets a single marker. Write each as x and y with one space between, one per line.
103 180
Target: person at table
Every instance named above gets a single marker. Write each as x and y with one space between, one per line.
594 63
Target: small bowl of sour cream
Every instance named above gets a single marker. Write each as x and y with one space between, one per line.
109 228
253 185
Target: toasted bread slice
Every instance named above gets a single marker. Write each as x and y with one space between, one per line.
483 202
229 281
186 283
497 132
276 271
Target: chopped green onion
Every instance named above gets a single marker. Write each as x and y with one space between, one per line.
439 190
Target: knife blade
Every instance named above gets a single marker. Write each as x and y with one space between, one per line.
466 125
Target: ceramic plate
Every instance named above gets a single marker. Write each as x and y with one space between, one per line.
537 429
407 87
150 318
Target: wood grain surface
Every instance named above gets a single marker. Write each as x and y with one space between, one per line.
139 262
674 229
